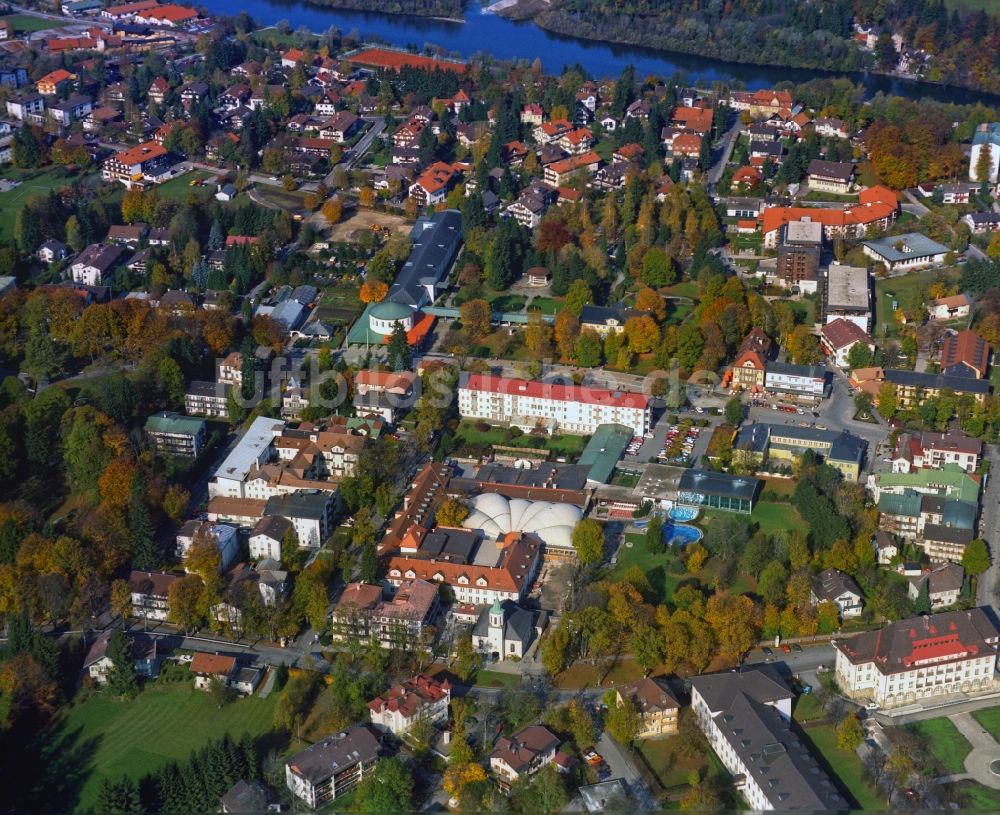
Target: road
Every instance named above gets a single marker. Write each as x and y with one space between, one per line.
726 144
622 767
986 588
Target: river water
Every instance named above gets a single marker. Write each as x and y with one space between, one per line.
505 39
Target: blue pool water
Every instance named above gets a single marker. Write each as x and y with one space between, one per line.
680 534
683 513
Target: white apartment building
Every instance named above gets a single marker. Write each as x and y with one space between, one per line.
223 536
934 450
529 404
420 699
253 450
333 766
920 658
798 380
746 718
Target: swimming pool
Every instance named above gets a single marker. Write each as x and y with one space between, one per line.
680 534
683 513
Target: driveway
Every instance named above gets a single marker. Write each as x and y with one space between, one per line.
985 750
622 767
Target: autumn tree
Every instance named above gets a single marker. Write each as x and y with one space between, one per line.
537 335
648 300
567 332
476 316
849 733
333 210
623 721
588 541
735 621
643 334
373 291
366 197
452 512
885 401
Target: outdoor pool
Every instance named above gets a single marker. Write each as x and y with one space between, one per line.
683 513
680 534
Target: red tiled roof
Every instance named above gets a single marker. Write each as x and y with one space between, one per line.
140 153
397 60
874 204
212 664
841 333
966 348
559 392
699 119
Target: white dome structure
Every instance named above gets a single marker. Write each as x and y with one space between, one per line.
496 516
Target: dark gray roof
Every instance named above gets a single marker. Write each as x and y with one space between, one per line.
247 797
548 475
274 526
832 583
786 368
936 381
334 754
200 387
947 534
434 248
761 683
305 294
730 486
779 762
518 624
302 504
449 544
839 170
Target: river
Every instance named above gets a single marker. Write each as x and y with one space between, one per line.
507 40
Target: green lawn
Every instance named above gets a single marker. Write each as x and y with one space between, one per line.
166 722
772 517
902 289
670 770
26 24
979 797
804 310
33 183
686 289
945 743
508 302
990 719
178 189
844 765
497 679
468 435
807 708
546 305
662 570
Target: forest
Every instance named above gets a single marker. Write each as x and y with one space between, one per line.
961 48
419 8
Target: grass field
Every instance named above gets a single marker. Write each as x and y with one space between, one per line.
844 765
670 770
340 304
581 675
945 743
901 288
468 435
292 201
990 719
546 305
979 797
33 182
807 708
166 722
770 516
178 189
662 570
497 679
26 24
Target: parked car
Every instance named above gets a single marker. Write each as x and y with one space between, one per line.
786 648
768 653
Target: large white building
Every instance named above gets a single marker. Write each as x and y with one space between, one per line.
531 403
746 718
921 658
987 137
420 699
253 450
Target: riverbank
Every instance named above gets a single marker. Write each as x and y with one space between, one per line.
449 11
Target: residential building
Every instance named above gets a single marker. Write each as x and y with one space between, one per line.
67 111
877 207
838 337
221 535
333 766
980 222
835 586
658 708
886 547
253 450
383 392
799 255
965 353
811 381
746 717
176 435
558 173
146 662
934 450
248 798
840 449
267 535
208 668
206 399
748 372
136 165
506 630
523 754
531 404
477 571
912 388
26 106
607 319
403 620
93 265
986 138
53 251
434 183
905 252
309 511
150 594
944 585
848 295
947 480
950 308
54 82
926 657
830 176
420 699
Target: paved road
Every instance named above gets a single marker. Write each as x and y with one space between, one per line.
622 767
987 589
727 142
985 749
914 207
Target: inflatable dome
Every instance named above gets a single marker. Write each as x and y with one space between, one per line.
497 516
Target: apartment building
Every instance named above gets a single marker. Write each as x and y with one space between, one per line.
913 388
965 353
530 404
841 450
944 585
136 164
835 586
808 381
209 399
658 708
927 657
915 451
333 766
746 718
398 621
420 699
310 513
221 535
150 594
176 435
523 754
253 450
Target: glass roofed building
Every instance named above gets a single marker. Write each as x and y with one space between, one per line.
730 493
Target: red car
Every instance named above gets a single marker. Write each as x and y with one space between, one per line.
786 648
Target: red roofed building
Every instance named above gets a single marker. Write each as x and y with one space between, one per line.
133 166
965 354
926 657
170 15
420 699
397 622
748 372
523 754
397 60
434 183
697 119
531 403
559 172
576 141
686 144
746 177
52 83
240 240
876 206
128 10
839 336
208 667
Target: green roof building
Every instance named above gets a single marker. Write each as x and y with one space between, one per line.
176 435
951 481
604 450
